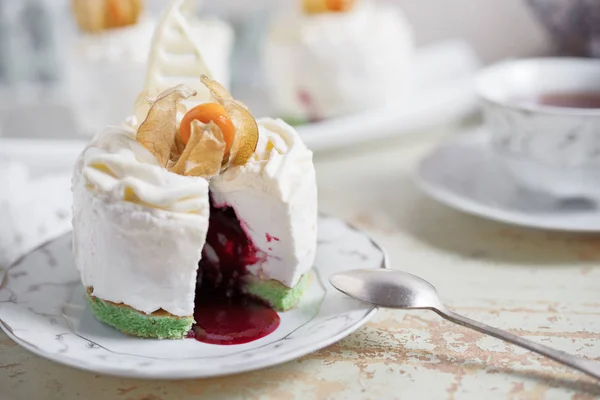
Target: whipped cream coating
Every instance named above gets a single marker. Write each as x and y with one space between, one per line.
139 230
325 65
143 251
274 195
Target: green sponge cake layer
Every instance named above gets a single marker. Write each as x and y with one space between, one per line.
276 294
162 325
158 325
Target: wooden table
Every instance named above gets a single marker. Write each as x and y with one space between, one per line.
542 285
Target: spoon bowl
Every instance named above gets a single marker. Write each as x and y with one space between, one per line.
387 288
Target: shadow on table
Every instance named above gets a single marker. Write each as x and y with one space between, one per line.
477 238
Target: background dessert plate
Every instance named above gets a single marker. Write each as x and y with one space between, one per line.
443 92
465 174
42 308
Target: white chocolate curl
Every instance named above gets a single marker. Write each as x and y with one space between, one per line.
176 56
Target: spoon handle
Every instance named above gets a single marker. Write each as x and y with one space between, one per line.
589 367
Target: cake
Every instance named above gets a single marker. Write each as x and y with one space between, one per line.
190 198
334 57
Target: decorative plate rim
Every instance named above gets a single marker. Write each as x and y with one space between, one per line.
181 374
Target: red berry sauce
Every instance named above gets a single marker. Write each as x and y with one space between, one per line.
224 315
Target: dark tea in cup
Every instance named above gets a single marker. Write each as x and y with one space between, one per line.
569 99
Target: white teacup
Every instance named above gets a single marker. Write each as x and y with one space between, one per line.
545 146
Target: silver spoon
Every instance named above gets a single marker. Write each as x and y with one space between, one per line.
396 289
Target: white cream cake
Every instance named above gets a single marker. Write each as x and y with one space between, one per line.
162 204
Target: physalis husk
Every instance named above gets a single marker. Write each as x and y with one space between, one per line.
203 153
159 130
246 129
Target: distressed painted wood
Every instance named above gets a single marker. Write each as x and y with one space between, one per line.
543 285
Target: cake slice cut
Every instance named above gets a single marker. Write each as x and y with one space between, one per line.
274 197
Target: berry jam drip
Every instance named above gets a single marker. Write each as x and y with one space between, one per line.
226 320
223 314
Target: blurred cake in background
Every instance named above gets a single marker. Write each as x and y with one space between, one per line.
109 56
335 57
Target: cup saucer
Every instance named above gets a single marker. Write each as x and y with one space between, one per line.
464 174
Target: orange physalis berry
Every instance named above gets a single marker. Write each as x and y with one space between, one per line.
206 113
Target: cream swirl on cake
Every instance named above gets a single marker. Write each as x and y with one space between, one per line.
116 165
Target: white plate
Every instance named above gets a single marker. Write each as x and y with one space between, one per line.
42 308
464 174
